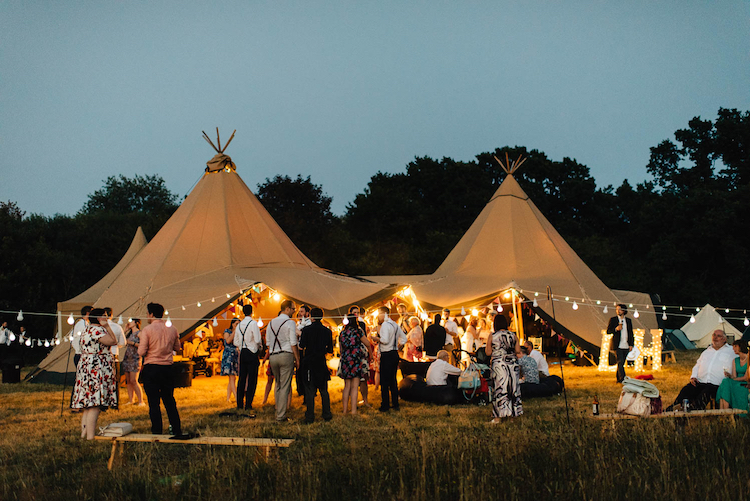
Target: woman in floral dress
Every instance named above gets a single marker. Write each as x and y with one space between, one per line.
131 361
351 368
96 385
230 359
504 349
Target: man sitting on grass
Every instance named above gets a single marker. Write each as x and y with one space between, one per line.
440 369
707 374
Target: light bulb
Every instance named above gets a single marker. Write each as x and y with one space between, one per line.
119 320
598 302
664 308
499 308
692 319
166 312
228 296
46 344
567 298
12 337
215 322
130 319
475 312
697 309
199 304
726 310
536 294
664 316
168 323
746 322
346 321
535 303
506 295
57 342
423 316
575 305
71 321
276 296
463 311
260 323
630 305
28 342
636 314
605 310
183 307
20 316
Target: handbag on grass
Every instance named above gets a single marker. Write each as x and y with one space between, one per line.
469 379
116 430
634 404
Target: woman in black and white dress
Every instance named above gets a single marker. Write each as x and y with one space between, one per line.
503 349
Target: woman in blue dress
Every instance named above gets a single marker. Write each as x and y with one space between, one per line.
353 344
503 349
230 360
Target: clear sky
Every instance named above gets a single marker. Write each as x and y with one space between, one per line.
340 90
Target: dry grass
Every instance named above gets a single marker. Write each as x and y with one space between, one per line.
423 452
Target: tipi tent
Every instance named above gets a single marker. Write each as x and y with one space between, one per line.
706 322
221 240
512 245
59 361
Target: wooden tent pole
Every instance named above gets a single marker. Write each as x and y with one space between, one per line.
218 139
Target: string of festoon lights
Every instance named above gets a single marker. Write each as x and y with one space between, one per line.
503 300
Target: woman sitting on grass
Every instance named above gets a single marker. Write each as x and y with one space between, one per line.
731 394
96 387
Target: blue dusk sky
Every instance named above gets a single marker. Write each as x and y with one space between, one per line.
340 90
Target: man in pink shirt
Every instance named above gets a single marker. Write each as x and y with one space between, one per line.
157 344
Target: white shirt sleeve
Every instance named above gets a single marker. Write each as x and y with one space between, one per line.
237 341
255 335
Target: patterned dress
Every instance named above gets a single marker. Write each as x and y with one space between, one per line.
506 375
230 358
96 385
350 343
131 362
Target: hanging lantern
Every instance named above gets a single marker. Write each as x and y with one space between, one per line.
575 305
20 316
168 323
71 320
636 314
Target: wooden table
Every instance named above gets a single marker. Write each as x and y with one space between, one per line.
676 414
266 445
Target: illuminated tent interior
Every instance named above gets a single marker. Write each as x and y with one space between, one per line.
510 255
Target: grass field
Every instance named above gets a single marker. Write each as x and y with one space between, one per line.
423 452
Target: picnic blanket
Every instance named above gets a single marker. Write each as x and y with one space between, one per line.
638 386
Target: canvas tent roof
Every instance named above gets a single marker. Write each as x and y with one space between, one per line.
512 244
706 322
220 239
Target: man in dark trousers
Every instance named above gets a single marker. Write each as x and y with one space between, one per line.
623 340
316 341
157 344
247 339
435 337
391 339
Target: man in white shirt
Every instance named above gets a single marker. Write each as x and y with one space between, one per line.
623 339
78 329
247 340
541 362
281 338
391 339
5 340
451 328
707 374
440 369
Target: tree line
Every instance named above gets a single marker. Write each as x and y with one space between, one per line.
683 234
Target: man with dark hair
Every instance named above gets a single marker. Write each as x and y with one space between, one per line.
435 337
391 339
157 344
247 340
78 329
316 342
623 339
403 317
281 338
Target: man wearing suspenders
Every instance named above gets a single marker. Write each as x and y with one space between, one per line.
247 339
281 338
391 339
